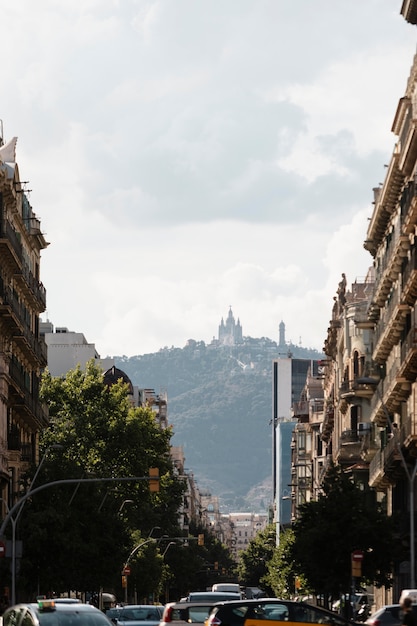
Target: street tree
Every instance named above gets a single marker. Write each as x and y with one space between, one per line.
253 562
78 536
344 518
283 577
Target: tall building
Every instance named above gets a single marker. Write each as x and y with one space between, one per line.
288 380
22 350
230 332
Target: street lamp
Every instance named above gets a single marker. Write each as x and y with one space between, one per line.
123 503
411 475
171 543
135 549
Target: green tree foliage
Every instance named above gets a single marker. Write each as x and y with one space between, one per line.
79 536
253 563
343 519
282 574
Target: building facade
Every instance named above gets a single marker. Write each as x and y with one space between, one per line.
23 353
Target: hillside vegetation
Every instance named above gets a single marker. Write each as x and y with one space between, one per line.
220 407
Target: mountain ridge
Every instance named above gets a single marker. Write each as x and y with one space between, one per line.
220 408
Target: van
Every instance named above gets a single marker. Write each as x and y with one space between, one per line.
409 593
228 587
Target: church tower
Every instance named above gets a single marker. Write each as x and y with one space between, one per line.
230 332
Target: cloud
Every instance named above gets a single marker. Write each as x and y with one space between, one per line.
184 157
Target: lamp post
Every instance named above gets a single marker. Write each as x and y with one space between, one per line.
410 474
135 549
126 565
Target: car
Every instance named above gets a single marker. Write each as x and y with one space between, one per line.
272 610
212 596
48 612
113 613
182 613
233 587
388 615
138 615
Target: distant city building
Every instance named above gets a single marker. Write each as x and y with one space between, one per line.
230 332
67 349
288 382
240 528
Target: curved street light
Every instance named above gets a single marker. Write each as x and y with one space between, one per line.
411 475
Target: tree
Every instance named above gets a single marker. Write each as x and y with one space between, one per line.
253 562
345 518
78 537
283 577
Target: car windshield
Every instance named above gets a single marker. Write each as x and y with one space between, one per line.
72 618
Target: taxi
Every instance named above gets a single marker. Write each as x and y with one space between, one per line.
271 612
48 612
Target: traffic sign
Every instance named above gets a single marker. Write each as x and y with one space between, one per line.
357 555
126 570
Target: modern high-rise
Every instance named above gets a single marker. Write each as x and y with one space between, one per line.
288 380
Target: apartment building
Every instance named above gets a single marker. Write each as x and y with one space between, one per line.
23 352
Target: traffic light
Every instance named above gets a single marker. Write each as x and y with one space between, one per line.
201 539
216 565
153 479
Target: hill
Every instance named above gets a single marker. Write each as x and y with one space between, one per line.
220 407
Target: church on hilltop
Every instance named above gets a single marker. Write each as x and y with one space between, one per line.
230 332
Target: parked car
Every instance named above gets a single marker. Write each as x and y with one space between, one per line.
138 615
182 613
388 615
48 612
280 612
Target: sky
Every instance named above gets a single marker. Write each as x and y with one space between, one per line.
185 156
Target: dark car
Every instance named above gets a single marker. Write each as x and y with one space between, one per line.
275 612
50 613
388 615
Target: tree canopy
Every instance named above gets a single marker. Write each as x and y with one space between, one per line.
79 536
345 518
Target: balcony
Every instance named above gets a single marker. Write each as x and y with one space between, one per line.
386 466
32 289
351 389
384 205
407 138
10 246
390 326
390 268
349 450
408 364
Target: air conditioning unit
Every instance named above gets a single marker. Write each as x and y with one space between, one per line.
364 428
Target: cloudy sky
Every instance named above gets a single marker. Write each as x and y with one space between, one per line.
187 155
